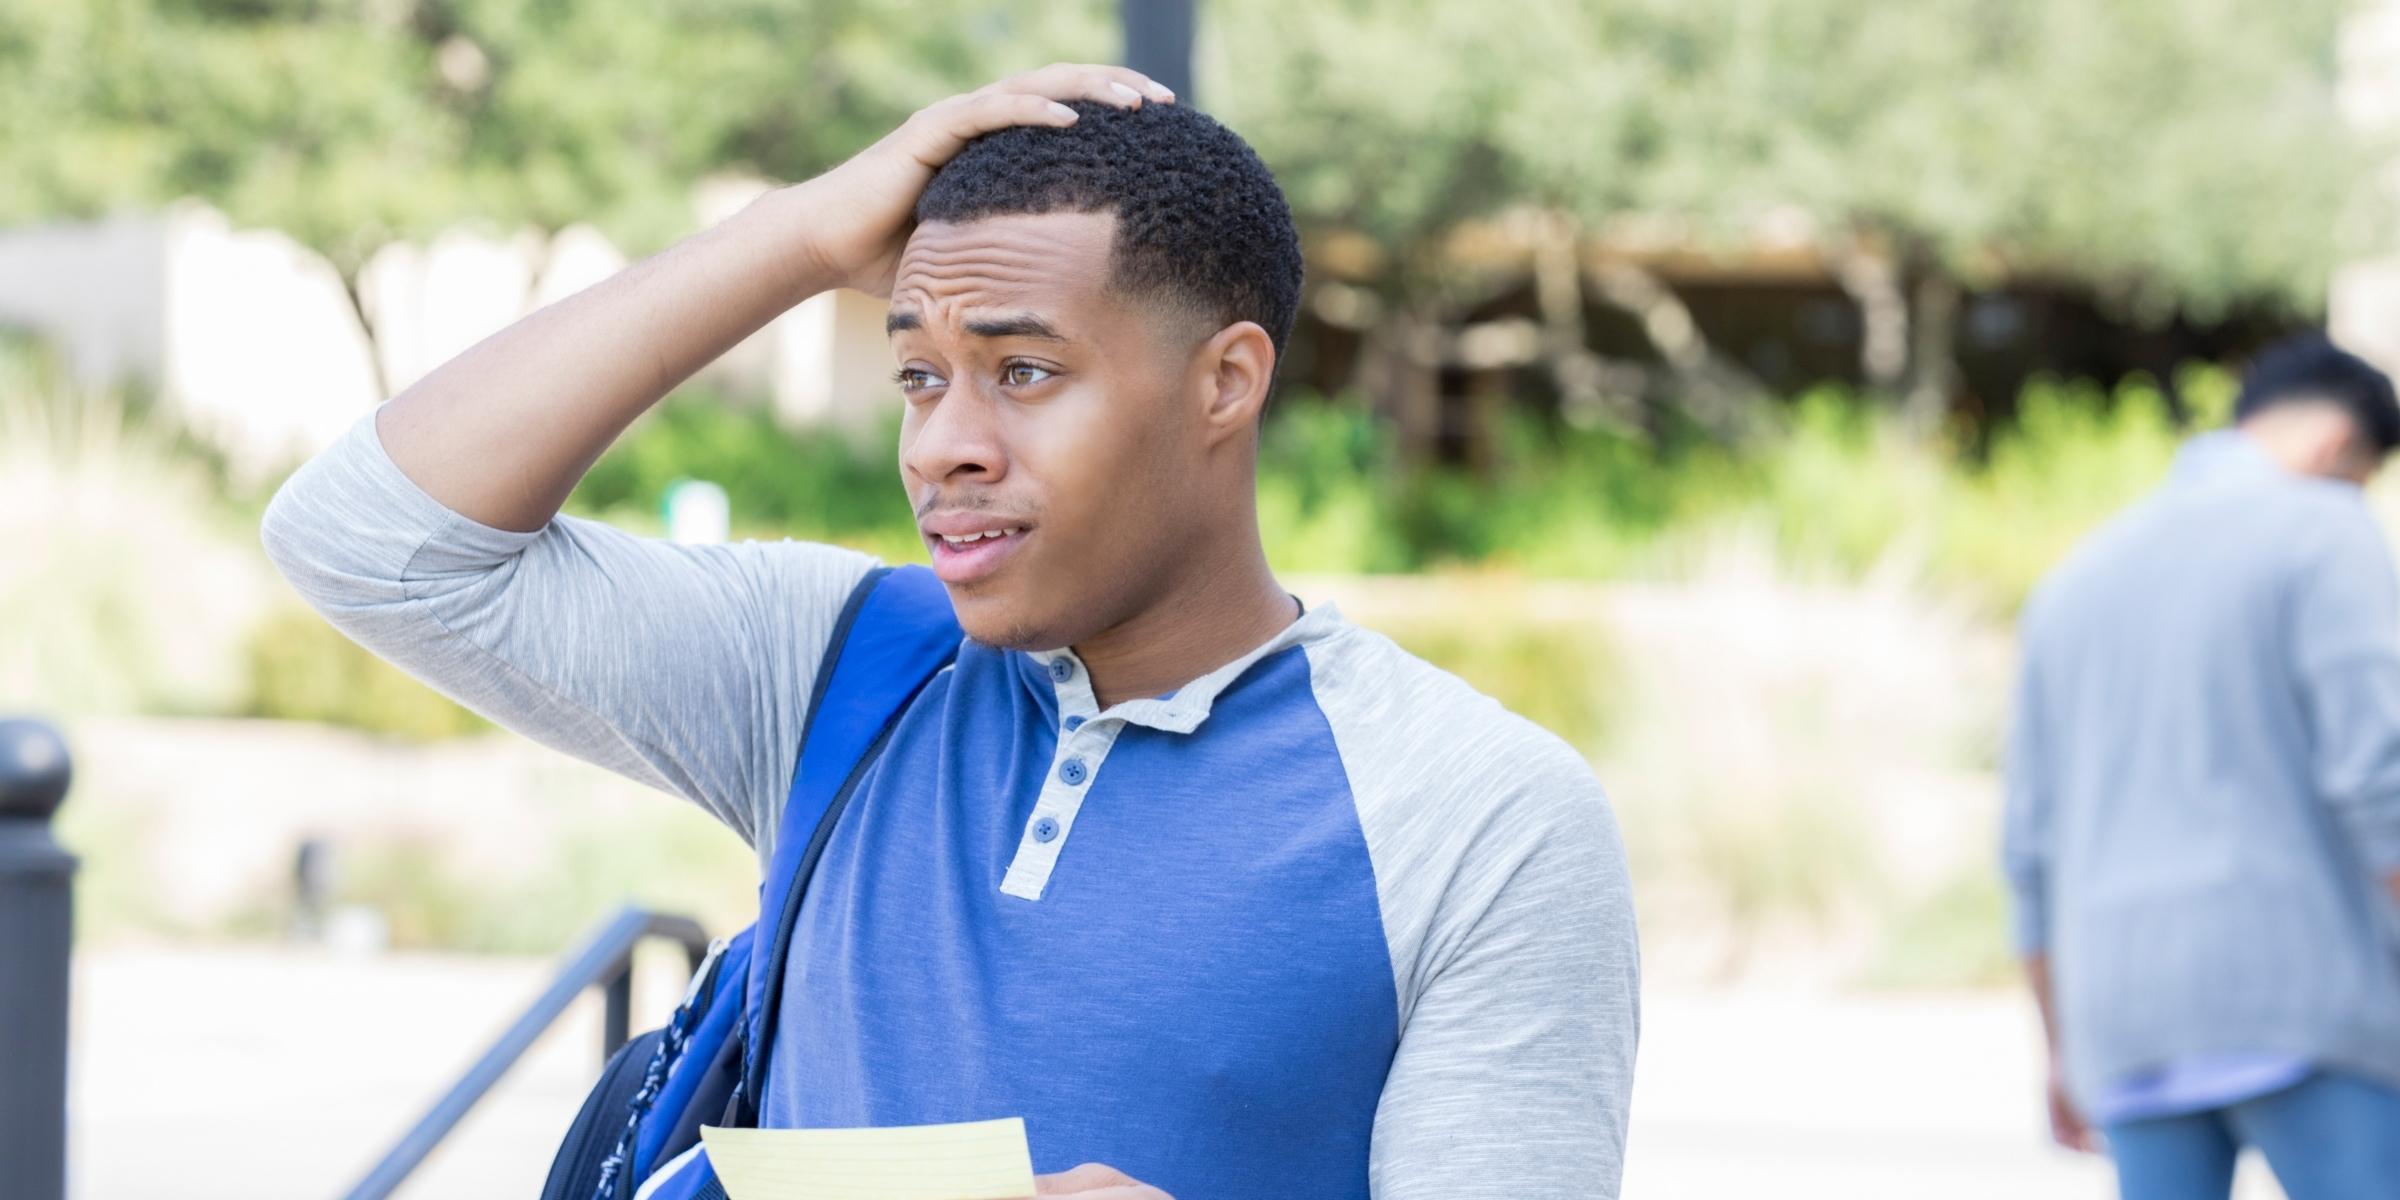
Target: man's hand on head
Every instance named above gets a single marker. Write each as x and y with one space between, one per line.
1092 1181
854 218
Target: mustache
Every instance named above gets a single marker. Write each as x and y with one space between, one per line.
970 502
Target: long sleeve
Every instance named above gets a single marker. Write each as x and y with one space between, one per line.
2025 820
687 668
2345 635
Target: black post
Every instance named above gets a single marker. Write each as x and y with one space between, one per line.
1158 42
37 908
616 1015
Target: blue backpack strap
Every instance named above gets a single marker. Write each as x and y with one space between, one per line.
693 1178
894 635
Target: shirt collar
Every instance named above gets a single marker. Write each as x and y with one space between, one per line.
2219 455
1182 710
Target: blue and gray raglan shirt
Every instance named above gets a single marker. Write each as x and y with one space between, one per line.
1324 922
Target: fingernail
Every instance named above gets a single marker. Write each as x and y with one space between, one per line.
1162 92
1124 91
1062 110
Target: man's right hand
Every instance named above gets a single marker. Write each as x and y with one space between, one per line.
2067 1126
860 213
501 433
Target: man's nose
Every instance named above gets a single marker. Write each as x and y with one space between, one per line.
958 438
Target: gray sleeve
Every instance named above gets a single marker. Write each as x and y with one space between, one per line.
2346 652
687 668
1508 911
1515 1068
2025 817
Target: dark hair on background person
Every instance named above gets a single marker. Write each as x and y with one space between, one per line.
1200 221
2308 368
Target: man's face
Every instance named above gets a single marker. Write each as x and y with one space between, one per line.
1046 444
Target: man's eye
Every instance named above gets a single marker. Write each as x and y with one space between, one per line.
1024 374
916 379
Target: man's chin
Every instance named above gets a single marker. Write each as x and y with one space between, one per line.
993 621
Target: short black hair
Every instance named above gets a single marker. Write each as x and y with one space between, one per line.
2307 367
1200 221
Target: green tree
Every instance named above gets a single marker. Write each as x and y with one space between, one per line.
349 124
2175 156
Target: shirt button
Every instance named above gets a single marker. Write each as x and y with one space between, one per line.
1045 830
1061 670
1073 772
1074 723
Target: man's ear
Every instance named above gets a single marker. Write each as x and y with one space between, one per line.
1234 369
2340 446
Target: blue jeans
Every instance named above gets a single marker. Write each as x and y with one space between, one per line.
2328 1137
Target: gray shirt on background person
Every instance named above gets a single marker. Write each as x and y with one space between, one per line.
2204 778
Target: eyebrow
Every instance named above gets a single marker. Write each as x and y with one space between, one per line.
1014 325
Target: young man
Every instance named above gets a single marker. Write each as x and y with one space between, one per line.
2203 818
1218 890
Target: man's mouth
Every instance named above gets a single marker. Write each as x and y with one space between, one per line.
964 555
972 538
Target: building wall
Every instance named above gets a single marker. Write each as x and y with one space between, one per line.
251 340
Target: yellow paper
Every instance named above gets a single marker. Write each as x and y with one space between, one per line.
976 1160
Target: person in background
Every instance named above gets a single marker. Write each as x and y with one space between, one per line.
2202 827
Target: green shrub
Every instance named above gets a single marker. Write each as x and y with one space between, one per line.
1955 937
822 485
1564 679
2074 455
660 859
1839 490
302 669
125 582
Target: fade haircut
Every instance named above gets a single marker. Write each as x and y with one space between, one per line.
2306 368
1200 222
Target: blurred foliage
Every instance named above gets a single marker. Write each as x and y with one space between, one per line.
1765 860
1841 490
154 598
1564 679
115 512
429 901
129 549
1958 935
2178 152
824 485
117 550
348 123
2074 455
302 669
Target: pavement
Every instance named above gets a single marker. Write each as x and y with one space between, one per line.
259 1073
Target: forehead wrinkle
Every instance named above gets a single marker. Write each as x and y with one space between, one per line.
1005 251
957 300
991 272
957 307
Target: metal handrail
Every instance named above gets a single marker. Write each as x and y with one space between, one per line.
605 960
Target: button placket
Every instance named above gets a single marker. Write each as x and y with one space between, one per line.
1083 744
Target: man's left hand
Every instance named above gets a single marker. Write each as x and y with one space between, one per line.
1091 1181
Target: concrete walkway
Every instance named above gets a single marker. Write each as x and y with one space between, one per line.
263 1074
